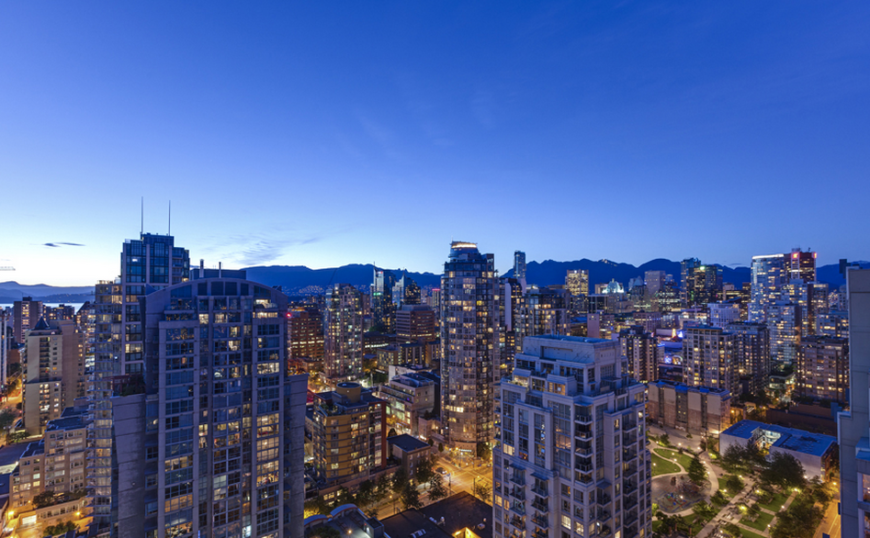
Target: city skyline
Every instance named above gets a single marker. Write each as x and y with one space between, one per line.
277 132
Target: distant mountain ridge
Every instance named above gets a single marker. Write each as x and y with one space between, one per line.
296 279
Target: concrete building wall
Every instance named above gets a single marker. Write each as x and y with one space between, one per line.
129 419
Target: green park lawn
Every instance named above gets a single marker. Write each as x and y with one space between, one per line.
750 534
663 466
776 503
682 459
764 519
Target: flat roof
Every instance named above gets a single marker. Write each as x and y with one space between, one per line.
565 338
461 511
406 442
814 444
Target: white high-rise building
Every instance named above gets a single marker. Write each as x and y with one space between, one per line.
343 337
571 459
854 425
709 358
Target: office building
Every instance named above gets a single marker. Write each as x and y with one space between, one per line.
708 353
769 274
654 281
59 312
751 355
699 284
415 323
305 338
696 410
853 431
343 344
572 455
520 266
222 453
511 308
381 297
53 372
802 265
638 350
350 435
822 369
722 314
833 323
577 284
25 314
470 356
785 324
667 299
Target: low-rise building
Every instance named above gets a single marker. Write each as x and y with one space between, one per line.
696 410
815 451
408 397
409 451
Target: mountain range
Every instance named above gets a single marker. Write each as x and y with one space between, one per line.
298 279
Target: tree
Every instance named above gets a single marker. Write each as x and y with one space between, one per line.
400 481
44 499
784 470
734 484
697 471
482 491
440 447
392 432
665 440
703 445
437 490
483 451
382 487
410 496
366 493
425 470
316 506
704 510
7 418
733 530
16 437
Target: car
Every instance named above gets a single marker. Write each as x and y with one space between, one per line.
19 424
441 471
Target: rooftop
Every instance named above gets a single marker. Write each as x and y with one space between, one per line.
458 512
574 339
814 444
681 387
407 443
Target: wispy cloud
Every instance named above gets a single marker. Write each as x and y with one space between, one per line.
258 248
62 244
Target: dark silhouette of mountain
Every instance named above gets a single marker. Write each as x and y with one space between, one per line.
551 272
830 274
298 277
13 291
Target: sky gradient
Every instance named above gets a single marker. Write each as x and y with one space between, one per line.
322 134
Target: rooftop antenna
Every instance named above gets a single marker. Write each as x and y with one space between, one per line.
169 230
142 217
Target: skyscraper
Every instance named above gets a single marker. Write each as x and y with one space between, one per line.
343 320
305 333
577 284
520 265
469 346
802 265
222 453
700 284
638 350
853 430
25 314
752 356
572 454
785 323
383 307
53 372
654 281
769 274
708 353
822 369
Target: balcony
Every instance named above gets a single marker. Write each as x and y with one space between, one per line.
540 490
629 454
584 467
540 534
583 419
630 517
518 508
540 505
602 500
518 523
629 487
629 438
518 479
582 434
541 521
518 493
630 470
629 503
602 515
581 451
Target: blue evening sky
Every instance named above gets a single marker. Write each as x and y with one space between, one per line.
325 133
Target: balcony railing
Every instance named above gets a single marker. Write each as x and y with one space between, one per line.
540 504
541 521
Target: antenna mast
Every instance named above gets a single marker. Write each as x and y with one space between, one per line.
169 230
